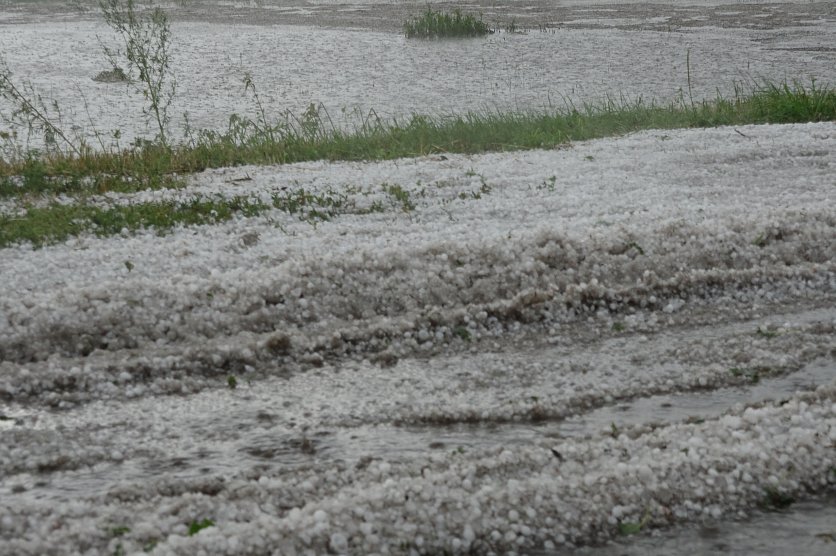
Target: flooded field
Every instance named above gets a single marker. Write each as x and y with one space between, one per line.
356 74
621 346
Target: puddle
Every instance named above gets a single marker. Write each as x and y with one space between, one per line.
807 528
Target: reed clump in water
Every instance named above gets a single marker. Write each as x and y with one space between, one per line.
438 24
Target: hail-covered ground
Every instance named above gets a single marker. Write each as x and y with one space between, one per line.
503 353
506 353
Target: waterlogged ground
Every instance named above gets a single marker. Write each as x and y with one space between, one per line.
505 353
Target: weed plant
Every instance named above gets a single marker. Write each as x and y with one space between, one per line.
196 526
146 42
33 116
438 24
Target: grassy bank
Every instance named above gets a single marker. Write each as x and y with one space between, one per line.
155 167
248 143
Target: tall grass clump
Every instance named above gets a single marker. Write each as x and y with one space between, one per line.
793 103
437 24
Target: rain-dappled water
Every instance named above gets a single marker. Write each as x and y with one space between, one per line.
356 76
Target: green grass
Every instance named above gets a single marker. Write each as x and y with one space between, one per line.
119 531
197 526
247 143
153 167
400 196
463 333
753 375
627 528
438 24
57 222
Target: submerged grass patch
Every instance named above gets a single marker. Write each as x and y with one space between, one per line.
438 24
248 142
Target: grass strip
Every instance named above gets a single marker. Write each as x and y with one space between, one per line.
249 143
67 176
57 222
438 24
